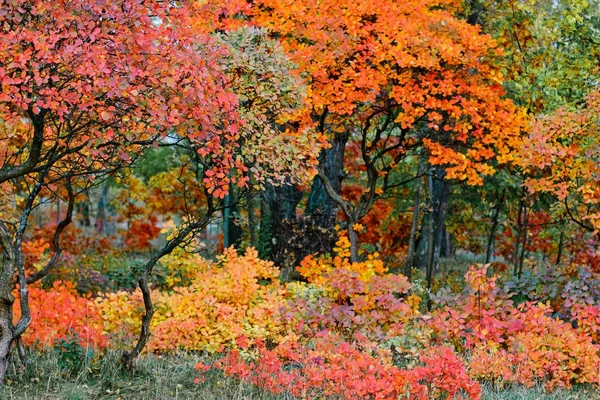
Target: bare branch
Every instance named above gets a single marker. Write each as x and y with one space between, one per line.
57 250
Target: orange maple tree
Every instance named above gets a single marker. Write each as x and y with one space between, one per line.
393 77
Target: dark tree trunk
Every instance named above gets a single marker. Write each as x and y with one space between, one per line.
446 246
278 239
439 200
286 240
129 357
321 210
561 243
439 192
525 241
410 258
252 220
265 234
353 238
232 230
518 232
421 247
429 263
495 220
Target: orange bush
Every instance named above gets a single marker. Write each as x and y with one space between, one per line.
60 313
331 366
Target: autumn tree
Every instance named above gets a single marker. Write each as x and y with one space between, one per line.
549 60
278 141
82 87
394 77
561 155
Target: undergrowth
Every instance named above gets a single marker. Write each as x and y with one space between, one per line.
171 377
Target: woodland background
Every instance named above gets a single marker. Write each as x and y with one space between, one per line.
300 199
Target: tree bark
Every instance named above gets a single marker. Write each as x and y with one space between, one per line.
441 193
518 238
353 238
495 219
561 243
252 220
410 258
6 333
430 235
525 242
352 215
232 230
321 209
279 240
9 266
265 234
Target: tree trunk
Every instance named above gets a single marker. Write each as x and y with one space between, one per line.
561 243
495 219
353 238
6 336
321 209
279 240
252 220
440 194
265 234
525 242
430 236
232 232
129 357
410 257
13 265
518 238
8 333
446 246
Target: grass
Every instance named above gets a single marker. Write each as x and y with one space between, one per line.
170 377
50 376
537 393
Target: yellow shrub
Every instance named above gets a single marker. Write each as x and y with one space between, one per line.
234 296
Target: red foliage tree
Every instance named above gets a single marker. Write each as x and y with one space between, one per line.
82 86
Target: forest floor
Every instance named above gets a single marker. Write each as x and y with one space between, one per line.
53 375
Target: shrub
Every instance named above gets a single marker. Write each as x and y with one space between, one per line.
62 314
522 344
237 295
348 298
331 366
